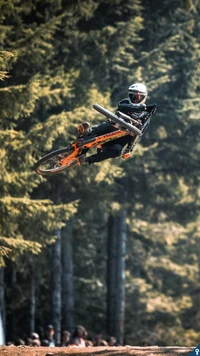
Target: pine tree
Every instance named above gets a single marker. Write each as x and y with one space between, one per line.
66 56
162 185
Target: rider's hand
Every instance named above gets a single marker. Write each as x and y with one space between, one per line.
143 107
126 155
152 108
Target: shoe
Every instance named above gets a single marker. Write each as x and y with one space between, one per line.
126 155
83 129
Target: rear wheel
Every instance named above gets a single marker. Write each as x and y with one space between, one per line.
57 161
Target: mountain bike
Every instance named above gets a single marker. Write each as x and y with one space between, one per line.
68 157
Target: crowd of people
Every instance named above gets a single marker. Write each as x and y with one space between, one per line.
78 338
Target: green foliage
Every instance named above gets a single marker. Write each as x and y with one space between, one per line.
4 57
57 59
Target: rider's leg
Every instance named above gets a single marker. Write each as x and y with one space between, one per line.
85 129
107 152
101 129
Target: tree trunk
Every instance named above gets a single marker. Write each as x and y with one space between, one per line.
33 303
56 287
13 319
120 271
111 273
68 277
2 308
116 275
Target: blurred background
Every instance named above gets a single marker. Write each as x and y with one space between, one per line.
113 246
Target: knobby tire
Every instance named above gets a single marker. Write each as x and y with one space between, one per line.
54 159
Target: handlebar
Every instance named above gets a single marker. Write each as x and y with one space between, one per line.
118 120
126 117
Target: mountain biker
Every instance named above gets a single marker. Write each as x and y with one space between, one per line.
134 106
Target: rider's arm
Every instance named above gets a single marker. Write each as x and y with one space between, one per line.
145 120
152 108
130 146
128 108
145 116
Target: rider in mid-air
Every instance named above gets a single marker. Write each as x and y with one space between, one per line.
134 106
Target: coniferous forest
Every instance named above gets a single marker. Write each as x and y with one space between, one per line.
113 246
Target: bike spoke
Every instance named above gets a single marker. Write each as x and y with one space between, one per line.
55 163
51 163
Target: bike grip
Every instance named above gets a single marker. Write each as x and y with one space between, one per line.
115 118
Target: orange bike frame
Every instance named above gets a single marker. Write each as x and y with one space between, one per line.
90 143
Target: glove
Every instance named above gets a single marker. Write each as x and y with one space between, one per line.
151 108
139 107
143 107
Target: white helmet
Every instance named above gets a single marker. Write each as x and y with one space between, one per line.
137 93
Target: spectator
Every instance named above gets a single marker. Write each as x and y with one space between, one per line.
50 335
29 341
36 342
79 336
98 341
45 342
20 342
112 341
35 339
65 338
88 343
10 343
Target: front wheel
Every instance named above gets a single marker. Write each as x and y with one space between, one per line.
57 161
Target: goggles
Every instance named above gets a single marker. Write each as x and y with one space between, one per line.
136 97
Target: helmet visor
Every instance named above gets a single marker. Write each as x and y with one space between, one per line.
136 97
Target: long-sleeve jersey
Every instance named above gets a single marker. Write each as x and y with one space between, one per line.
136 111
133 110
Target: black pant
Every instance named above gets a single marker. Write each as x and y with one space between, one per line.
109 149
